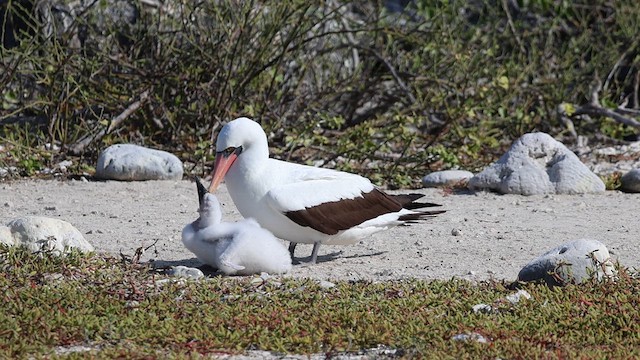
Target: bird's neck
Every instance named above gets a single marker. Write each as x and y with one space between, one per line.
208 218
248 180
249 166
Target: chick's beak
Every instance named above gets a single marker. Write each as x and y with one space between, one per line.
202 191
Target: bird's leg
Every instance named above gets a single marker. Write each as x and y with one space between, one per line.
314 252
292 248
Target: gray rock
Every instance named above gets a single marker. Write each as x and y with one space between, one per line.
630 181
132 162
42 233
446 178
570 263
538 164
186 272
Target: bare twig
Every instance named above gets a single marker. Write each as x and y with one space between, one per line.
512 27
81 144
392 71
618 63
128 111
635 102
596 86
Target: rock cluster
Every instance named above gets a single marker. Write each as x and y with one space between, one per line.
538 164
535 164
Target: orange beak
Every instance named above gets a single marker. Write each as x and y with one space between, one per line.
222 165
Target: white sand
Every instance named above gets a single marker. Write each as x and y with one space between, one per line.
498 234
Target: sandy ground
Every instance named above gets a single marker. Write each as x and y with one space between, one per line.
495 234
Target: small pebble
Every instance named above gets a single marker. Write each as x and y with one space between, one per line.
456 232
132 304
482 308
185 272
470 337
515 298
8 204
326 284
50 208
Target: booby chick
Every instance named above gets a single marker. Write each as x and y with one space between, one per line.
305 204
239 248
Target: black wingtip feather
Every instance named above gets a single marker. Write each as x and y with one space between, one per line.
420 215
407 201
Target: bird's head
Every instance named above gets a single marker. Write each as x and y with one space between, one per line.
238 137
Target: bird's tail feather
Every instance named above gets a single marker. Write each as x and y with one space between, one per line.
420 215
407 201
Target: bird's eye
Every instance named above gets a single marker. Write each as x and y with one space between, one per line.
228 151
232 150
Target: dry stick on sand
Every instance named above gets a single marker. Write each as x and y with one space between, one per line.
81 144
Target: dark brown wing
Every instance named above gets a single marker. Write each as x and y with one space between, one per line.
332 217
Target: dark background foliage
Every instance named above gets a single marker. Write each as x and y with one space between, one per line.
390 89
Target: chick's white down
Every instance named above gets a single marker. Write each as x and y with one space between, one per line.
239 248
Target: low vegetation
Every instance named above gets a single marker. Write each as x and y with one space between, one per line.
117 308
350 85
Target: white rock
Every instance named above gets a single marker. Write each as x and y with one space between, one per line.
132 162
538 164
37 232
631 181
446 178
482 308
63 165
6 237
572 262
326 284
186 272
517 296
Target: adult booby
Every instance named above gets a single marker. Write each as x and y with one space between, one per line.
304 204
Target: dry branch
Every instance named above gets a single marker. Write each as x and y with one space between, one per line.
594 108
81 144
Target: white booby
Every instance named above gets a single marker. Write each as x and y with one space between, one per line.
304 204
240 248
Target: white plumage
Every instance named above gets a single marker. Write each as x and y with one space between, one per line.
240 248
300 203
